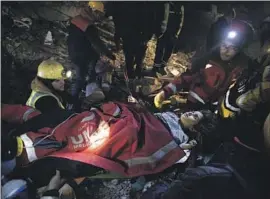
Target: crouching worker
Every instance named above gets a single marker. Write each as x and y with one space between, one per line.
48 87
115 137
248 99
216 73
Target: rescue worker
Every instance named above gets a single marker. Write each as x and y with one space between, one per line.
218 28
48 87
217 73
166 43
249 96
242 169
115 137
135 23
85 46
257 99
261 93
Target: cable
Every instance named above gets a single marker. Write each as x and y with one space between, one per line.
52 131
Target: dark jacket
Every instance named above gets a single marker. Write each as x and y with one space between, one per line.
47 104
134 18
46 99
84 43
80 49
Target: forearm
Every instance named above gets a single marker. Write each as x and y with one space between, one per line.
176 85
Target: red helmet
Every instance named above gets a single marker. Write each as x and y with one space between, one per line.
239 33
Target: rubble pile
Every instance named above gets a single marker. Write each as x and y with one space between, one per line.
33 33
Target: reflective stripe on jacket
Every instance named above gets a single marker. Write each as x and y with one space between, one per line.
207 85
36 95
17 114
114 137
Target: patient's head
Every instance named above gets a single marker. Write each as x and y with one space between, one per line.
189 119
203 121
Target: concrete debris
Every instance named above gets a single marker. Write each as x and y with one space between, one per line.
114 190
24 22
48 39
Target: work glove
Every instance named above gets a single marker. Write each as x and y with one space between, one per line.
159 98
247 102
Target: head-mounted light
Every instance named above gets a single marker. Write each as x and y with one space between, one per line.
67 73
232 35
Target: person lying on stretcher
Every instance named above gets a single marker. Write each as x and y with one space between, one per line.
115 137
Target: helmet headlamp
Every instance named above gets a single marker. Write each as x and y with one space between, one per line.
232 34
66 74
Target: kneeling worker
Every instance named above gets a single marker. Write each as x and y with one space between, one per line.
48 87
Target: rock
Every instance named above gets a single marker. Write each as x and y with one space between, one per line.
48 39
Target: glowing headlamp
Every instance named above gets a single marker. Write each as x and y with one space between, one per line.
232 34
66 73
